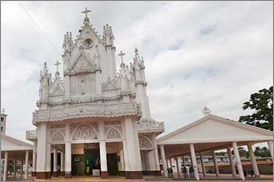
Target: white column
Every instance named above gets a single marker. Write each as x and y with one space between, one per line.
177 165
5 166
270 145
180 164
103 156
163 157
54 162
238 160
68 152
41 148
34 157
253 160
194 162
202 164
155 149
62 162
234 174
26 164
215 164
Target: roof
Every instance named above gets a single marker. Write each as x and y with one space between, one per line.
211 133
9 143
213 128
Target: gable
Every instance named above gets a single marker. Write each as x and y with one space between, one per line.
57 89
213 129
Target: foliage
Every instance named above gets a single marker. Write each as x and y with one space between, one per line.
262 103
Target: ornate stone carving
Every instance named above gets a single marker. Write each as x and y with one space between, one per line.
84 131
73 85
113 133
145 142
57 137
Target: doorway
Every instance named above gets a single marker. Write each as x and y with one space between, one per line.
112 162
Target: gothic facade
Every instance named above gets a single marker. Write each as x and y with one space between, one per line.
94 121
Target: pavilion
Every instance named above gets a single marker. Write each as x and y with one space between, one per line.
212 133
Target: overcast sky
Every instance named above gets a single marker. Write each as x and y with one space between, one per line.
197 54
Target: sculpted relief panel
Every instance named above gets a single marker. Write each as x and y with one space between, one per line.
57 133
84 131
82 85
145 142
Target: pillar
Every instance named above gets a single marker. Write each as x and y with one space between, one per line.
42 151
177 165
180 164
62 164
202 164
5 166
156 156
253 160
14 169
103 159
238 160
234 174
194 162
164 163
270 145
133 149
26 164
34 159
215 164
55 174
67 152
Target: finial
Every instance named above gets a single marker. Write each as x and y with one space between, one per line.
3 111
57 64
206 111
121 55
86 11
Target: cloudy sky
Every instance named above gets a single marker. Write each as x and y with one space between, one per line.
197 54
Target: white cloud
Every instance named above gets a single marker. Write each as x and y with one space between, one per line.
197 54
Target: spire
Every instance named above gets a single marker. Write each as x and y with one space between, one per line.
108 35
86 11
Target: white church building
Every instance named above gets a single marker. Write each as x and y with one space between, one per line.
95 121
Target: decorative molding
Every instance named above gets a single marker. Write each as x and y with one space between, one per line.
113 132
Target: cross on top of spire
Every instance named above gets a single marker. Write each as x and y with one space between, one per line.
57 64
121 55
86 11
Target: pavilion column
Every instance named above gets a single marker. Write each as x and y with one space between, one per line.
234 174
238 160
67 152
34 159
215 164
26 164
62 164
103 159
14 168
253 160
55 174
194 162
164 163
5 166
270 145
180 164
177 165
202 164
156 156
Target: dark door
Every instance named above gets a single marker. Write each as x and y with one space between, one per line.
112 164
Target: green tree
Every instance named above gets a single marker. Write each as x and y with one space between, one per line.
262 103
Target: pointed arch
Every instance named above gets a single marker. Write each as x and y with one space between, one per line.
145 142
113 133
57 136
83 132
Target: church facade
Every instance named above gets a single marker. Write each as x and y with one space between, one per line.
95 121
